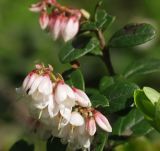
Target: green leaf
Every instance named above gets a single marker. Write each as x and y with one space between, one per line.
151 94
55 144
100 141
103 19
156 122
142 67
88 26
79 47
131 124
132 35
144 104
119 95
75 79
105 82
22 145
97 99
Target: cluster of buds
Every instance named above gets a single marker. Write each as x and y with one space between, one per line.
60 21
66 111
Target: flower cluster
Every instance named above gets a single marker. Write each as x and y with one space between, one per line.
66 111
60 21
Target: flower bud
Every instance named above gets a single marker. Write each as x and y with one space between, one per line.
81 98
102 121
71 28
91 126
44 20
38 7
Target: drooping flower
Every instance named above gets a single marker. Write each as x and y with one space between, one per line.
62 22
65 98
81 98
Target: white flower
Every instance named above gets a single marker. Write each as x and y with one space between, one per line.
65 98
71 28
81 98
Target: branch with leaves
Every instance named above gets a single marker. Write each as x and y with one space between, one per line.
65 107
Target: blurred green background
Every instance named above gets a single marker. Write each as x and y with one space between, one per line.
22 42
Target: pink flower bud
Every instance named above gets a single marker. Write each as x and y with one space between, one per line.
38 7
102 121
91 126
81 98
71 28
44 19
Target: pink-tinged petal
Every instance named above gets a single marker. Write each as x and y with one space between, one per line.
35 84
53 108
60 93
65 112
82 98
44 20
69 92
76 119
71 28
40 101
37 7
56 27
102 121
91 126
32 78
45 86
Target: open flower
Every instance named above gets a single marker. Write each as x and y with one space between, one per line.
65 98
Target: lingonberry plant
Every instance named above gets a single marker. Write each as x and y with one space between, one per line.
96 119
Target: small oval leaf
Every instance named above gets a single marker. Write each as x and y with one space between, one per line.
151 94
132 35
78 48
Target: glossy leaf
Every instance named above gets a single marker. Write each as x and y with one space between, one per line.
99 141
132 124
55 144
144 104
78 48
97 99
119 95
156 122
75 79
103 19
22 145
151 94
88 26
142 67
105 82
132 35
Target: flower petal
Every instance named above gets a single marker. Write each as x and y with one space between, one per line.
35 84
102 121
76 119
45 86
44 20
91 126
53 108
71 29
82 98
60 93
